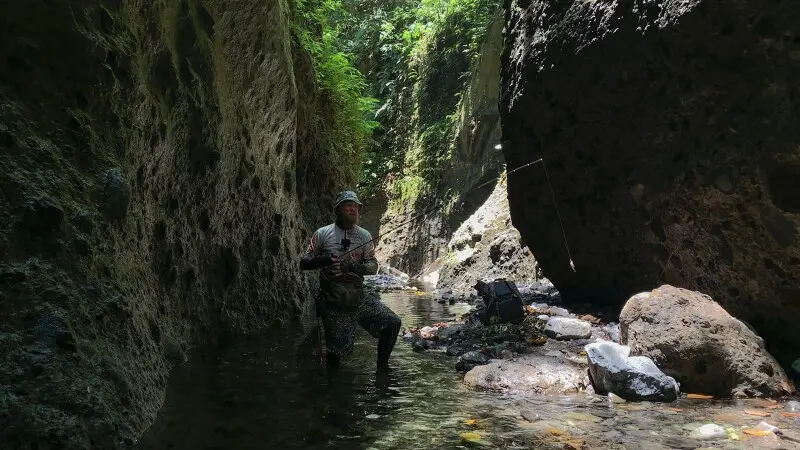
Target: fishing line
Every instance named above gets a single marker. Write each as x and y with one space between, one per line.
552 192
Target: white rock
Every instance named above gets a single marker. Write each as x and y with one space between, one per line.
564 328
633 378
709 431
428 332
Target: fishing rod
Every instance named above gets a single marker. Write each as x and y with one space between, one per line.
552 192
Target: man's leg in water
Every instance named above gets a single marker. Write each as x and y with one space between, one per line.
340 333
382 323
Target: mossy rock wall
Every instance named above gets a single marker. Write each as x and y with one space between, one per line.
150 157
451 149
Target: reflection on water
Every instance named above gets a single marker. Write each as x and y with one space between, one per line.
255 394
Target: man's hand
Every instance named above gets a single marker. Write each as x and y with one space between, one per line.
318 262
333 267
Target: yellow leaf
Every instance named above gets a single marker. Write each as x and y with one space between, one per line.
471 436
470 421
555 431
755 432
699 396
757 413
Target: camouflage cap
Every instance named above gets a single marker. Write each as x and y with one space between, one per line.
345 196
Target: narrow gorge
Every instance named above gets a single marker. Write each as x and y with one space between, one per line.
163 164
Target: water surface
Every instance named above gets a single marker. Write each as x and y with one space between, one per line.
257 394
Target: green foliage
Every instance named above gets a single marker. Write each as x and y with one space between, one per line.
424 48
338 78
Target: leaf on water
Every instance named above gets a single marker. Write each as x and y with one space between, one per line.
791 414
555 431
471 421
757 413
755 432
699 396
471 436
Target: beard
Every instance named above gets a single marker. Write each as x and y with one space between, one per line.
347 220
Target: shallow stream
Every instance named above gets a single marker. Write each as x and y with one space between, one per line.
253 394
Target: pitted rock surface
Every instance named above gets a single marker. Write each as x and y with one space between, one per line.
669 134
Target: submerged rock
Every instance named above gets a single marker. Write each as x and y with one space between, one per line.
697 342
632 378
530 373
709 431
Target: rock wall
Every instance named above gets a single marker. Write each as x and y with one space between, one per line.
485 247
467 154
150 157
670 134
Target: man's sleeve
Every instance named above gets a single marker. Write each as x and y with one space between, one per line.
369 261
314 249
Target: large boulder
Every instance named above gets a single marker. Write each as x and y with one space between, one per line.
669 133
692 338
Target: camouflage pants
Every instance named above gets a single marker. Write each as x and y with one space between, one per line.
340 325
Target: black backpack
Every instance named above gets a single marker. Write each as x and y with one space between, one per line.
502 299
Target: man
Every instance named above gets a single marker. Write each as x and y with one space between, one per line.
341 297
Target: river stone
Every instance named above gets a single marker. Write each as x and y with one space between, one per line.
632 378
565 328
709 431
451 330
698 343
529 373
558 311
471 359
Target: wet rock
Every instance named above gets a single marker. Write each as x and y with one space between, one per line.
420 345
454 351
428 332
632 378
384 282
451 331
697 342
709 431
792 406
564 328
529 373
116 195
471 359
796 366
681 442
530 415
